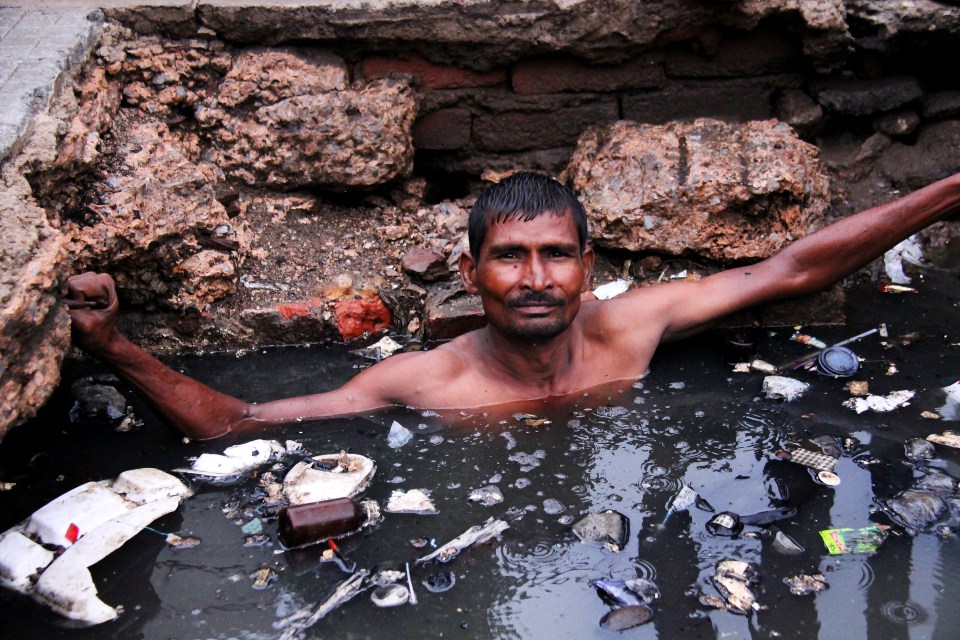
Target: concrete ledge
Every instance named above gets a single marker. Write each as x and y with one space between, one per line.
39 48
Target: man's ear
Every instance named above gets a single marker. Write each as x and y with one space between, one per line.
587 257
468 272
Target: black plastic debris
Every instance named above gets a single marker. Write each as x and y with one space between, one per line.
837 362
627 617
725 523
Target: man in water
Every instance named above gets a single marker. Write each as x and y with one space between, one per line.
529 262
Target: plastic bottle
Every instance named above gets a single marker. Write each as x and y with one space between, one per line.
317 521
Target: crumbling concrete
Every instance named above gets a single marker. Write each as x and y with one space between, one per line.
245 170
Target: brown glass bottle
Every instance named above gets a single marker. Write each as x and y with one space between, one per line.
316 521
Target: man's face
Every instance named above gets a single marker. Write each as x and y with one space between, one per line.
529 275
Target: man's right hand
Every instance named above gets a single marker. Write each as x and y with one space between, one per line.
92 321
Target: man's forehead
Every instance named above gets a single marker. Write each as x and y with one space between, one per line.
547 223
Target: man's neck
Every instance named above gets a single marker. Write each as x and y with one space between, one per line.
543 365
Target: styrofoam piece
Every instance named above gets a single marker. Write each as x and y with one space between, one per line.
88 506
148 485
20 558
67 586
783 388
611 289
236 459
304 483
104 521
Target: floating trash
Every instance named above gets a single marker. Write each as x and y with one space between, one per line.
90 522
806 456
474 535
733 579
859 388
383 348
880 404
398 436
627 592
801 585
257 540
616 593
725 523
263 578
803 338
328 476
178 542
916 510
415 501
295 624
784 544
864 540
918 449
765 518
837 362
627 617
609 528
419 543
552 507
304 524
828 478
440 581
486 496
762 366
253 527
783 388
235 460
896 288
391 595
92 401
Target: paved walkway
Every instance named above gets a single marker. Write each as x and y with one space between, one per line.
39 48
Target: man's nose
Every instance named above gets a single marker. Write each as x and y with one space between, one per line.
536 274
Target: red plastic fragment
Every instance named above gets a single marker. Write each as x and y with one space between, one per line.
73 532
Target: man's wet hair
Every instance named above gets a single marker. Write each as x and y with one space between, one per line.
523 196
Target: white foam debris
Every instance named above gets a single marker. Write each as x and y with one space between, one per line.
611 289
339 476
235 460
398 436
907 251
90 522
783 388
413 501
880 404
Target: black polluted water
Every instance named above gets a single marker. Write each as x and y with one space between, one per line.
861 545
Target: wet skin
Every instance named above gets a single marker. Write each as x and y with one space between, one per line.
541 340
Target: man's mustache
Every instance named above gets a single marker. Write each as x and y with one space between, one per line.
533 298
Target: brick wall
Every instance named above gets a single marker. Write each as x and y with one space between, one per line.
530 113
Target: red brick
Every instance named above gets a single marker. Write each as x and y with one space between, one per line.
358 317
559 75
429 75
442 129
518 131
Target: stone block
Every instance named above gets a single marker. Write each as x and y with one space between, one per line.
799 110
451 312
941 105
561 74
739 99
443 129
518 131
866 97
429 75
352 138
755 53
934 155
723 192
357 318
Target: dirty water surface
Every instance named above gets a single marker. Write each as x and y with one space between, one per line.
691 422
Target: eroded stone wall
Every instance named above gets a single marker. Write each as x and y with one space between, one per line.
264 174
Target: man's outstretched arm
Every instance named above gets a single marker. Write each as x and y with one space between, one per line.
809 264
191 407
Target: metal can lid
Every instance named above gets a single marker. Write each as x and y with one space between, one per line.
838 361
828 478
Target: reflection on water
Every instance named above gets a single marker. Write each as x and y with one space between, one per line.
691 422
